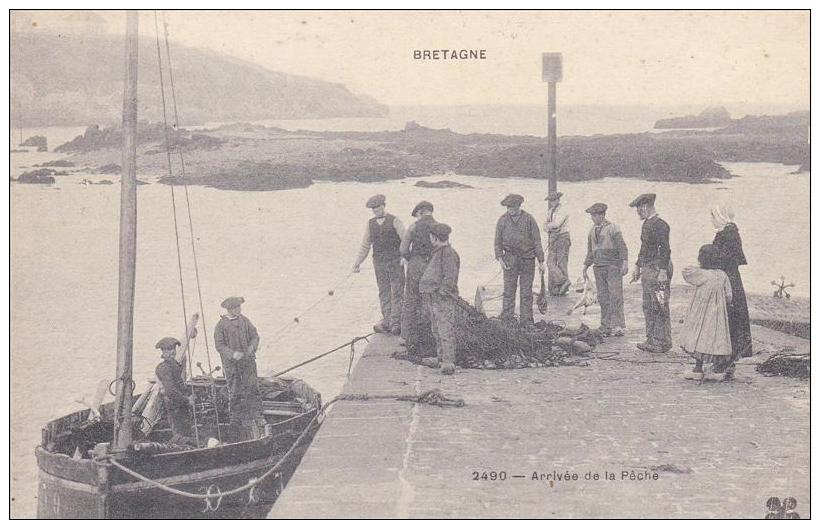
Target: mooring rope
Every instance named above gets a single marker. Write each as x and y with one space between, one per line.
433 397
350 344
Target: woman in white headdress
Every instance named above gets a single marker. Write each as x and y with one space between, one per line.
730 250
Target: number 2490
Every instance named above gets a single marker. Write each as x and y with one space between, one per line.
489 475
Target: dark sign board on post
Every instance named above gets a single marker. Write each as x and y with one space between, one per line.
551 70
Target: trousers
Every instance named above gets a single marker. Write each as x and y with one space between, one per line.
442 310
557 260
610 286
656 316
243 388
390 280
521 273
413 319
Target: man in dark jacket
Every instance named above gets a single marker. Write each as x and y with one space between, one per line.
416 250
176 397
439 288
384 233
236 340
654 269
517 245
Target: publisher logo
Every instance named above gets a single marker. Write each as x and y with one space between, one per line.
781 509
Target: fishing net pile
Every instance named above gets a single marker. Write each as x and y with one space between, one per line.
492 343
789 365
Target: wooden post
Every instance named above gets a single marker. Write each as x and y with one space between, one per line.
551 73
552 146
128 241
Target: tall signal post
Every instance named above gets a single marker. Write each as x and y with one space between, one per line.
551 73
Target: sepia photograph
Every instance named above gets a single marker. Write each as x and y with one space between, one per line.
409 264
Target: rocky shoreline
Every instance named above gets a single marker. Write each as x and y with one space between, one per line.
245 156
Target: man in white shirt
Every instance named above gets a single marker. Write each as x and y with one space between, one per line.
384 233
557 228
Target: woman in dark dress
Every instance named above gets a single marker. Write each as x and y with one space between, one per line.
727 239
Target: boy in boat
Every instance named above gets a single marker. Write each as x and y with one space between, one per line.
439 289
177 399
384 232
236 340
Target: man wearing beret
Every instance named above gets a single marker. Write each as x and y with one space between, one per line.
416 249
517 245
654 269
236 340
607 253
383 233
557 228
439 289
176 397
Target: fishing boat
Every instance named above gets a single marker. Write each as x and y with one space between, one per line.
120 460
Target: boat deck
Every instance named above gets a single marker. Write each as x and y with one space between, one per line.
719 449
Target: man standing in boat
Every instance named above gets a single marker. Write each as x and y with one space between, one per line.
178 401
236 340
416 249
383 233
439 288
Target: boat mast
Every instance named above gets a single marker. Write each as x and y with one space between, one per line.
128 241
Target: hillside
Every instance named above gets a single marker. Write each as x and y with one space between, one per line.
72 80
710 117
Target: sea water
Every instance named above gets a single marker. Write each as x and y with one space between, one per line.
285 252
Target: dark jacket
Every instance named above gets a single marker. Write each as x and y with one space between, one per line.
730 247
655 243
386 240
236 335
441 274
417 239
169 373
518 236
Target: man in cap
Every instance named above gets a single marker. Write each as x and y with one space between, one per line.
439 289
517 245
384 233
416 249
176 396
557 228
654 269
236 340
607 253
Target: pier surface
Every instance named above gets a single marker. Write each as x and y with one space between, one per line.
718 449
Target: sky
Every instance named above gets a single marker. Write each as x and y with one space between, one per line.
656 58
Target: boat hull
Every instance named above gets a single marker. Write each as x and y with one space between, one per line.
94 488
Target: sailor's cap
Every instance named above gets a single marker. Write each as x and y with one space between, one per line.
513 200
598 207
375 201
646 198
167 343
232 302
421 206
441 231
